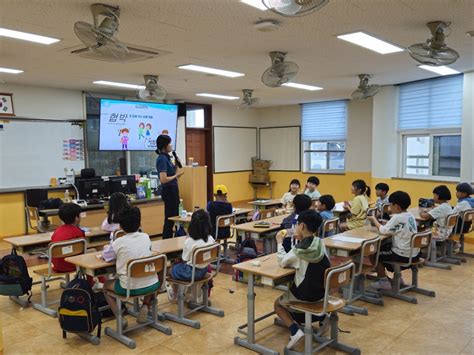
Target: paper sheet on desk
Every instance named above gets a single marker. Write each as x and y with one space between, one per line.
342 238
339 206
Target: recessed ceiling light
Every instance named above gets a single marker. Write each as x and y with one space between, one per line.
302 86
215 96
442 70
258 4
27 36
229 74
367 41
120 85
10 71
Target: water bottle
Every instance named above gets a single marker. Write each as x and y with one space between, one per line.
67 197
180 208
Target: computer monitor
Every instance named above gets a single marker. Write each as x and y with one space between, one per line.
125 184
92 188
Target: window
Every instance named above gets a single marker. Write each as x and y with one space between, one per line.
430 118
195 118
324 126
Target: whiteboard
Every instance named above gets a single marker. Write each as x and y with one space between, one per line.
281 145
31 152
234 148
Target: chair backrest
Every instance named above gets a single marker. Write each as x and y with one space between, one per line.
329 226
225 221
206 255
385 208
146 266
367 248
451 220
371 211
467 217
421 240
268 213
65 249
118 233
336 277
32 215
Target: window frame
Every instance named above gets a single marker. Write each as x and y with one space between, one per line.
307 160
431 134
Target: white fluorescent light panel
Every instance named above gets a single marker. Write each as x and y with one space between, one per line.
367 41
5 32
442 70
10 71
215 96
302 86
229 74
258 4
120 85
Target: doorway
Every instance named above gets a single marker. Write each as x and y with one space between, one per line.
199 139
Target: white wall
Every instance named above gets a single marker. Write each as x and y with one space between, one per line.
45 103
225 115
359 129
385 133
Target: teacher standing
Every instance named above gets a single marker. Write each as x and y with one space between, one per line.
169 175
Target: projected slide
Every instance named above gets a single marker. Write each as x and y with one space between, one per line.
130 125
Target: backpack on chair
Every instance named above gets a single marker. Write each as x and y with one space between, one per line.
14 277
78 311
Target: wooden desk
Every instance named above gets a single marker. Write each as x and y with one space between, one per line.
240 213
256 185
416 213
152 211
270 270
264 204
91 263
250 226
36 242
351 246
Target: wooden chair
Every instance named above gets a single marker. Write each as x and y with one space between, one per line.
329 227
385 211
225 221
57 250
371 211
443 259
369 248
136 268
118 234
41 226
268 213
464 225
420 240
334 278
202 255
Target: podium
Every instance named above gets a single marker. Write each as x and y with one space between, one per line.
193 187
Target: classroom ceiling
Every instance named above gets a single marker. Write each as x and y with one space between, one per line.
220 33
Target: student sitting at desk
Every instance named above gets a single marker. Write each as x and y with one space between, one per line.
401 227
70 215
324 206
309 259
358 207
199 235
381 191
301 203
132 245
219 207
312 188
117 202
287 199
441 196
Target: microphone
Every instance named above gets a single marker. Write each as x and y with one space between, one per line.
178 162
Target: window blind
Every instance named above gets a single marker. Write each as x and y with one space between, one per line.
432 103
324 121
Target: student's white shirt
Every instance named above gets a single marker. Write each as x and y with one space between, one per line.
440 214
190 244
287 198
132 246
313 194
401 227
380 202
462 206
290 260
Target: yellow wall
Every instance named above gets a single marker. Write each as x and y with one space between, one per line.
12 214
237 184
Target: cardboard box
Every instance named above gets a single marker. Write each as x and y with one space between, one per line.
259 178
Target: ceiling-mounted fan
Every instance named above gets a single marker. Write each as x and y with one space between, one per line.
280 72
294 8
364 90
434 51
247 100
152 90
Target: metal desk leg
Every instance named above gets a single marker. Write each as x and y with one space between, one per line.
249 342
433 262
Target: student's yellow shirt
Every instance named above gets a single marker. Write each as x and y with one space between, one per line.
359 206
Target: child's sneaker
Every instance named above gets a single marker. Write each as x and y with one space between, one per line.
382 284
171 294
294 339
143 314
456 246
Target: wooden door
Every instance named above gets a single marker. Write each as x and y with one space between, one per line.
196 145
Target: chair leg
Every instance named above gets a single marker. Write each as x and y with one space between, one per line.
395 292
417 289
180 317
118 333
154 315
43 307
433 262
205 302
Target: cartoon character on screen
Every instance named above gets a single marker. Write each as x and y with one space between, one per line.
141 130
123 133
148 131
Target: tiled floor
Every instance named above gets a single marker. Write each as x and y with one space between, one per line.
441 325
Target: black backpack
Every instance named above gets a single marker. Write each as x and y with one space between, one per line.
247 251
14 277
78 311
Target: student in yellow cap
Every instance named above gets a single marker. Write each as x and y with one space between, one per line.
219 207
